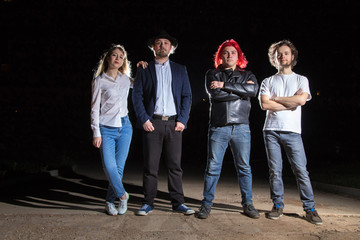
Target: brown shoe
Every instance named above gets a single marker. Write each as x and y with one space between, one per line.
275 212
313 217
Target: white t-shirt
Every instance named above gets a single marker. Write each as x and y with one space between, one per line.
281 85
109 101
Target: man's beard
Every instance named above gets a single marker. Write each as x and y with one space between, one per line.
285 65
161 53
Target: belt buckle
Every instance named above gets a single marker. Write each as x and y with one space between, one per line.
164 118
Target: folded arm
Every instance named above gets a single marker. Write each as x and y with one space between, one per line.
248 88
283 103
228 91
214 89
299 99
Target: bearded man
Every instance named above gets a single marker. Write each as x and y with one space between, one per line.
162 100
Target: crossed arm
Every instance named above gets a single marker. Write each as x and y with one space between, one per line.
283 103
218 84
228 90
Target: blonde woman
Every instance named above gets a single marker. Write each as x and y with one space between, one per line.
112 129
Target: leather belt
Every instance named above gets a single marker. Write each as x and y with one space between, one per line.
164 118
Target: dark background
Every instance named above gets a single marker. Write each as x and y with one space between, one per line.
48 51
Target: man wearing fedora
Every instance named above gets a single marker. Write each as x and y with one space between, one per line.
162 100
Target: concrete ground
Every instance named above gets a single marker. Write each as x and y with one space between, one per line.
71 206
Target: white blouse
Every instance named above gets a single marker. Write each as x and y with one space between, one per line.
109 101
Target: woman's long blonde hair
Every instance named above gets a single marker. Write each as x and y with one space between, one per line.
103 64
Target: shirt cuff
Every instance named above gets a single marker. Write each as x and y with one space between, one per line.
97 133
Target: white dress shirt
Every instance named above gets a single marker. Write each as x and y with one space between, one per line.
164 105
109 101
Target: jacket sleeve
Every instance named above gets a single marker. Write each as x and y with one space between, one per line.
186 96
138 96
218 94
243 89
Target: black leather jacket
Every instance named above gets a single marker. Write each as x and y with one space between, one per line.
231 104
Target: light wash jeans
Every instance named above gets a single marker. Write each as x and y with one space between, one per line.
294 149
239 138
114 151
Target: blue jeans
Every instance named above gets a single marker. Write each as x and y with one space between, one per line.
294 149
114 151
239 138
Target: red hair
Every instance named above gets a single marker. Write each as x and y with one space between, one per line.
241 62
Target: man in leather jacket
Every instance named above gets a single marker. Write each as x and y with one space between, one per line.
229 87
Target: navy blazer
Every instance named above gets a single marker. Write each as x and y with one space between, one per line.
144 92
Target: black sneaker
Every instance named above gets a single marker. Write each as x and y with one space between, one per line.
313 217
204 212
275 212
250 211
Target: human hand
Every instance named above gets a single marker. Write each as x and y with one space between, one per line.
143 64
250 82
148 126
216 84
97 142
179 127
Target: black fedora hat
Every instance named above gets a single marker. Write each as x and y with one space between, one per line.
162 34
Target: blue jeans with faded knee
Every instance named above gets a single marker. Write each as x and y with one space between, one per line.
239 138
294 149
114 151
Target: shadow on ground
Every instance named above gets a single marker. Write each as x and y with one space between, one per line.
71 191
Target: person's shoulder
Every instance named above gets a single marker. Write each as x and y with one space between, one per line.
268 79
98 78
300 77
245 72
175 64
150 65
125 76
271 77
212 71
